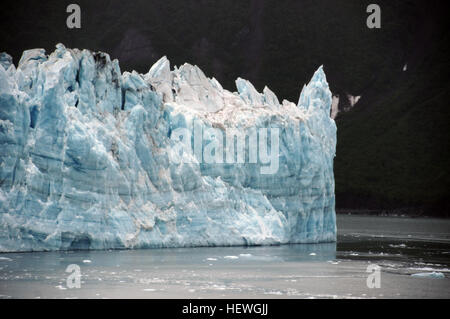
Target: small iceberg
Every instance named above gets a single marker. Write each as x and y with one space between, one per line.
5 259
433 274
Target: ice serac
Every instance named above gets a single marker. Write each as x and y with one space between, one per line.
86 158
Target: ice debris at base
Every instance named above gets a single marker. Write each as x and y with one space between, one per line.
85 158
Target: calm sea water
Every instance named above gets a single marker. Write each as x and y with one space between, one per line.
401 247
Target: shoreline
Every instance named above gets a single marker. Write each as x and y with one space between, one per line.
400 212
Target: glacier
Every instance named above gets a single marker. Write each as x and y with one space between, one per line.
85 158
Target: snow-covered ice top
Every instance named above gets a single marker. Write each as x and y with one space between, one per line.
85 158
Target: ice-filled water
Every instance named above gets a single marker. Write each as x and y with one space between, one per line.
87 158
401 247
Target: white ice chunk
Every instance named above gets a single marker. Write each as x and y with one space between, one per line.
433 274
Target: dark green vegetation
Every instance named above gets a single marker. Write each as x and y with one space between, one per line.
393 147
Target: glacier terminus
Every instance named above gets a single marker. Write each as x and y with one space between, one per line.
93 158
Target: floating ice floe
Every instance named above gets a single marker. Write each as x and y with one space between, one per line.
433 274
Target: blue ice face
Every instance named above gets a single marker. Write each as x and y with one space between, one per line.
92 158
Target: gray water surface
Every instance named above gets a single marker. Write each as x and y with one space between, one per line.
402 247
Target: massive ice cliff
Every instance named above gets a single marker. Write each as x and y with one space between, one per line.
86 158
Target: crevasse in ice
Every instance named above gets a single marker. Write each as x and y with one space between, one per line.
86 158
